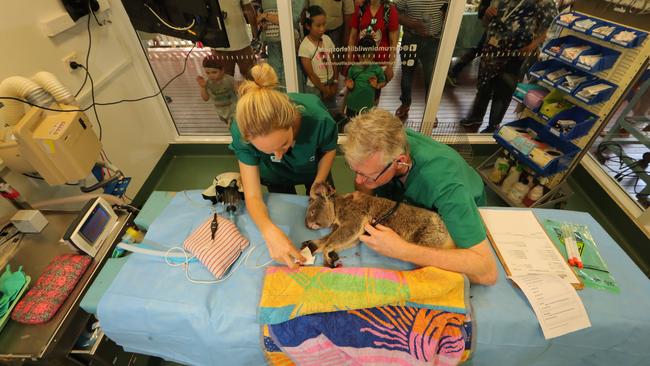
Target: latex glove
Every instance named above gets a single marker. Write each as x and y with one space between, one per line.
281 249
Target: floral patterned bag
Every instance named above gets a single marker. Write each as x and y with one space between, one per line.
51 289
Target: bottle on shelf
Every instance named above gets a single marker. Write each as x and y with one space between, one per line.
518 191
511 179
500 169
534 195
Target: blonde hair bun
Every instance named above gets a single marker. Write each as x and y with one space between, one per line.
262 108
262 76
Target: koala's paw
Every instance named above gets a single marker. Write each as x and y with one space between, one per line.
311 245
330 259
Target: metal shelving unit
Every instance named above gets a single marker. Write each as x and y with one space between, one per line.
623 73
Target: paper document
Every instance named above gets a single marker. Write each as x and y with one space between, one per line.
555 302
523 244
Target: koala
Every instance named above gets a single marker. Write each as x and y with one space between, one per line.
347 216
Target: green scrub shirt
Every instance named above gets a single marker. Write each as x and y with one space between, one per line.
317 135
441 180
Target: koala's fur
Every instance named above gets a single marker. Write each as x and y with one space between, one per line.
347 216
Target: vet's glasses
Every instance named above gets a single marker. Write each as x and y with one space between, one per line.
365 177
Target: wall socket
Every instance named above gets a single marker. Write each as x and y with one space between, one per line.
72 56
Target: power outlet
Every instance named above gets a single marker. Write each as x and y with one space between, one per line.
70 58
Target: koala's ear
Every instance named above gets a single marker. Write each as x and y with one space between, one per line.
323 189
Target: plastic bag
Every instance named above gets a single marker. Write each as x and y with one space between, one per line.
594 273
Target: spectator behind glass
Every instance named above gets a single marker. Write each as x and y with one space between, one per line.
219 88
422 21
270 34
363 79
315 54
516 31
240 52
379 19
339 13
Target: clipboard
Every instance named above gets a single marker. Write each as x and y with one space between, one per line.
574 279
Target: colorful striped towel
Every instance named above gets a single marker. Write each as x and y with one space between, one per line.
356 316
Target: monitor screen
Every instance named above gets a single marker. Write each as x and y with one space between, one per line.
95 224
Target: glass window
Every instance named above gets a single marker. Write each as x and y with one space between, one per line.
623 149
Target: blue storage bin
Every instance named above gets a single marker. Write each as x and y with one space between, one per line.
580 28
571 61
563 85
561 42
607 60
640 37
592 32
542 68
600 97
555 165
559 20
584 120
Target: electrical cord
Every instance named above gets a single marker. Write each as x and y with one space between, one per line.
90 43
160 90
169 25
623 171
92 95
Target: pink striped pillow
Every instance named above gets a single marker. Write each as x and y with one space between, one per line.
218 254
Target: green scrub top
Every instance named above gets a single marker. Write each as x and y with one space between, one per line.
363 95
299 165
441 180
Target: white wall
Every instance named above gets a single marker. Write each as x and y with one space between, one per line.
134 134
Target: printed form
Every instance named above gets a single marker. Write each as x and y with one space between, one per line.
523 244
538 268
555 303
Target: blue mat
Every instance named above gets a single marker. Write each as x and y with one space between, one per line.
151 308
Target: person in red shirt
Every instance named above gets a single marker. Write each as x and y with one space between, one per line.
380 19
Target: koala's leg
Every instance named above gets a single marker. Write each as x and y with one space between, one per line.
342 238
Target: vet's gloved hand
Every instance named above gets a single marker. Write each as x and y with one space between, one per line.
281 249
384 241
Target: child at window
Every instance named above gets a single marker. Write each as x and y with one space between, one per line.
219 88
363 79
315 54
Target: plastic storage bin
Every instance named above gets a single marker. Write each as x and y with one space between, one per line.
584 120
568 87
550 143
638 40
594 31
584 24
555 46
559 19
607 60
523 88
598 98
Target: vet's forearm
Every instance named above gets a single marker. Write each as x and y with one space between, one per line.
478 265
325 166
259 213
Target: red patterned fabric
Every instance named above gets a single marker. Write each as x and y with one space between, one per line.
51 289
218 254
